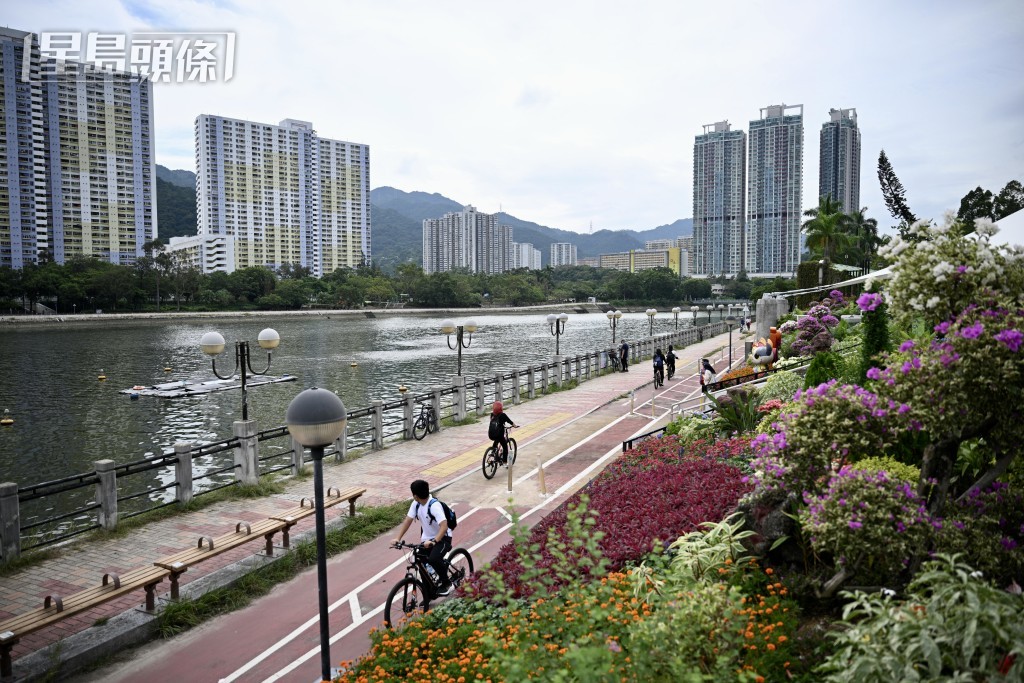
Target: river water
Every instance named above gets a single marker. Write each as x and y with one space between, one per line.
66 419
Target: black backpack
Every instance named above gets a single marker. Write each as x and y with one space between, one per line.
448 513
494 429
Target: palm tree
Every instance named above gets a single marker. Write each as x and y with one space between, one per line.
825 228
864 234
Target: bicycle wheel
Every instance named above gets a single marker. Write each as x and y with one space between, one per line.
460 565
407 598
420 428
431 423
512 448
490 463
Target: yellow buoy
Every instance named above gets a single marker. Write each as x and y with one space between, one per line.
6 420
353 364
402 388
102 377
167 369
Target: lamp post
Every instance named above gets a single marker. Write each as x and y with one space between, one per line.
711 307
651 312
613 321
448 327
315 418
74 309
675 316
694 309
730 321
821 272
212 344
720 309
556 324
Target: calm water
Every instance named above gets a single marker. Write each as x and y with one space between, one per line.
65 419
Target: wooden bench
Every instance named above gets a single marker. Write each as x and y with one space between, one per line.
56 608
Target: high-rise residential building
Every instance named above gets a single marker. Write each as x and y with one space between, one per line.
839 170
284 194
719 200
76 153
635 260
563 254
525 255
775 192
469 240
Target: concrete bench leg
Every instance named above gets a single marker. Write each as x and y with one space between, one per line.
174 586
151 596
352 506
6 667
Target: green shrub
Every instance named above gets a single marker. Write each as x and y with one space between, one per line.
691 428
824 366
876 338
737 410
952 626
893 467
988 527
782 386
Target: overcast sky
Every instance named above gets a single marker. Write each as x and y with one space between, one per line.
573 114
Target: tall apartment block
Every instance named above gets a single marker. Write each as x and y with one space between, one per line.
283 194
719 200
563 254
525 255
839 170
775 192
76 158
469 240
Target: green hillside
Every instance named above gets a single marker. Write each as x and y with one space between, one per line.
175 210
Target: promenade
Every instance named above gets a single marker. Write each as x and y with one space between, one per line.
575 432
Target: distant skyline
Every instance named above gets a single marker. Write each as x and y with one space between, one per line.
574 113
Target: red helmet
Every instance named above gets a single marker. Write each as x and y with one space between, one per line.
497 407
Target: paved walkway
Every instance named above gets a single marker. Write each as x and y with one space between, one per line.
447 460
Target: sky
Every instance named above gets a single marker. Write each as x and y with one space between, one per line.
582 115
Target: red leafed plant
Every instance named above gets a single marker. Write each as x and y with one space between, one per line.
647 498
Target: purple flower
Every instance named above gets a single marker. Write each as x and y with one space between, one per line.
1011 338
874 373
907 345
972 332
942 328
854 525
869 301
1008 543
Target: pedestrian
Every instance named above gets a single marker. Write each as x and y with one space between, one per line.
434 531
746 321
670 361
624 356
707 375
496 428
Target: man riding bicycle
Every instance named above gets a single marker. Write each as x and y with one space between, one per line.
434 531
496 429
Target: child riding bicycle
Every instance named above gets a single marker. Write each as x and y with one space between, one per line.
496 429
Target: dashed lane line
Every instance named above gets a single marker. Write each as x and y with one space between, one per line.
458 462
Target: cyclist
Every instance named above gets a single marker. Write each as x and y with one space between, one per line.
434 531
659 367
670 362
496 429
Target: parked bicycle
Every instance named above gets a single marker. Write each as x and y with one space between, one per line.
492 456
614 358
419 587
425 423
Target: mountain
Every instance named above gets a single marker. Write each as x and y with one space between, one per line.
181 177
175 209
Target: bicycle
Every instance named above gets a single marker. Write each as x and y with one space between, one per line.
659 377
419 587
614 356
492 458
425 423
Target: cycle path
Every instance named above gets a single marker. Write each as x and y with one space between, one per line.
450 460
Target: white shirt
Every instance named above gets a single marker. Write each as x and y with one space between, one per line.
429 529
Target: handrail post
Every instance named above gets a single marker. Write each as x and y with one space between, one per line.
10 522
298 457
183 471
435 401
579 377
478 386
341 445
544 378
377 420
408 419
460 398
557 380
531 382
515 388
106 493
499 388
247 452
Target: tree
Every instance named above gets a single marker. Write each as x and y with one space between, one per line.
864 234
976 204
824 228
894 194
1009 200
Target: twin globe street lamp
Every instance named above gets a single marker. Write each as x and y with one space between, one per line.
651 312
694 309
315 418
213 344
711 307
449 328
556 324
613 321
675 315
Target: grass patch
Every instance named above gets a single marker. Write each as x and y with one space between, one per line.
370 523
29 559
470 419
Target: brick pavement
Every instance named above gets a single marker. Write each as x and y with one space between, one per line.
439 458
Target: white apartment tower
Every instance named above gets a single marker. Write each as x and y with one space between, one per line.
283 194
719 200
775 192
526 256
468 240
563 254
839 170
76 158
